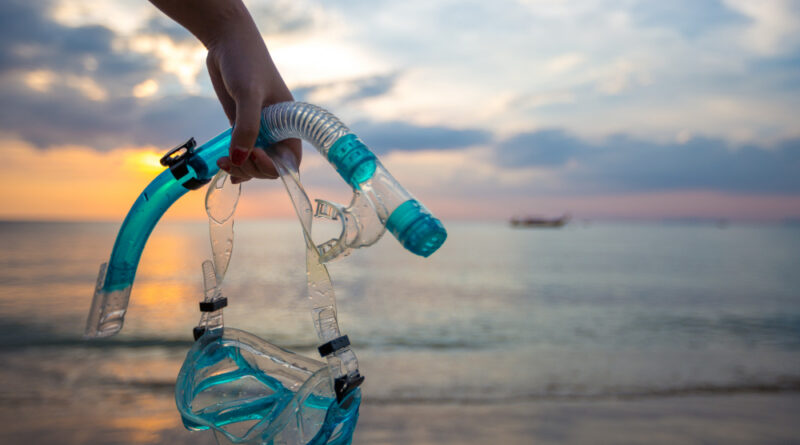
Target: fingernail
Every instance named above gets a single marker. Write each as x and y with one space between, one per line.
239 155
224 164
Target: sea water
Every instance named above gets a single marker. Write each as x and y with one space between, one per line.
498 314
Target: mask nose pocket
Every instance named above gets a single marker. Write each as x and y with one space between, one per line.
251 391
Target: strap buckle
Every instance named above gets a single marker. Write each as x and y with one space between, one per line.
334 345
343 385
173 156
213 305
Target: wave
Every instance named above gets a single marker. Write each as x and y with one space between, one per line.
23 340
789 385
782 385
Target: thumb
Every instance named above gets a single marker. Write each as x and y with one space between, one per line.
245 129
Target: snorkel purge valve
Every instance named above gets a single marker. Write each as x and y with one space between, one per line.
242 387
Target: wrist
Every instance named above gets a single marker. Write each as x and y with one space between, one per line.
233 19
209 20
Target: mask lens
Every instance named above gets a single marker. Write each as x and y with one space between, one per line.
251 391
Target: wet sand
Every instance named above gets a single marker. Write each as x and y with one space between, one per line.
730 419
142 418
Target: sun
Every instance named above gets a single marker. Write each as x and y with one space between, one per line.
145 162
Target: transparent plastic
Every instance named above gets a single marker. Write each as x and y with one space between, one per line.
376 193
244 388
250 391
221 200
111 296
213 292
320 288
377 196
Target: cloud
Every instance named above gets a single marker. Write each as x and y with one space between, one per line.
344 91
564 63
383 137
162 25
32 41
286 16
544 148
72 85
691 18
622 163
774 25
65 116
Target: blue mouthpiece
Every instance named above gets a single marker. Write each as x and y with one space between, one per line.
416 229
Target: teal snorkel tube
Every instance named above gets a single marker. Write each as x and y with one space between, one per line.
379 202
189 169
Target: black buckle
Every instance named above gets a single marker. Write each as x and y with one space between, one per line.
333 345
211 306
198 332
171 158
345 384
180 158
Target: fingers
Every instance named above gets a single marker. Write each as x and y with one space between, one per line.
263 164
257 165
245 130
227 102
249 168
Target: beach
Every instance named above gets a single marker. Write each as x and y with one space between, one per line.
731 419
754 418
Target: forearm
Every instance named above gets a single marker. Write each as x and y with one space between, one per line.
208 20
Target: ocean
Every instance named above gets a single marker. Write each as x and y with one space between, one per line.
593 311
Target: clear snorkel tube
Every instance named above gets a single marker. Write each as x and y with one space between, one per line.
379 202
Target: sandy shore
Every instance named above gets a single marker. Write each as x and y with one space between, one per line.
730 419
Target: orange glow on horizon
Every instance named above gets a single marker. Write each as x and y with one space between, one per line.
79 184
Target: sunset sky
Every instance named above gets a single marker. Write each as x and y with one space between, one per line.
603 108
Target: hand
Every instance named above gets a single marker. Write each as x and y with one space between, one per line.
243 75
246 80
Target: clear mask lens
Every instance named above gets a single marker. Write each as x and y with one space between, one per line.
250 391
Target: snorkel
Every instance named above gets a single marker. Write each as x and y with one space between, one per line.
242 387
379 202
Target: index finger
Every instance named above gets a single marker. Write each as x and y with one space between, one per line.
245 129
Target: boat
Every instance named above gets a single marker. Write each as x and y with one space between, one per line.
529 221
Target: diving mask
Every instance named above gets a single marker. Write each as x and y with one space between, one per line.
250 391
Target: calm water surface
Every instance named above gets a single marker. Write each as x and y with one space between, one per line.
603 310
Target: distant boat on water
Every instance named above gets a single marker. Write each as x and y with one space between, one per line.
529 221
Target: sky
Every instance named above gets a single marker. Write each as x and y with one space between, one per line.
606 109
